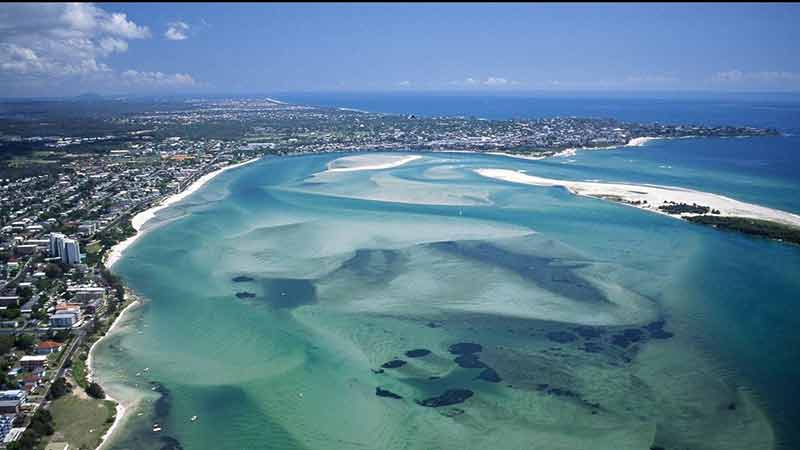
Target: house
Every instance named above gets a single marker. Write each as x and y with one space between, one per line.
84 294
47 347
67 320
10 401
11 301
6 424
33 363
31 381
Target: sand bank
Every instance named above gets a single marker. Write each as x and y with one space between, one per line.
369 162
650 197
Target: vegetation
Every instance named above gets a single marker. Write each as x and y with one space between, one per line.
79 371
25 342
82 421
95 391
58 389
755 227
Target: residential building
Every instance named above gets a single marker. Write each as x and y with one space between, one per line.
72 252
33 363
63 320
10 401
47 347
56 244
85 294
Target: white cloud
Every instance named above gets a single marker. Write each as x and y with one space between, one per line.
177 31
651 79
486 82
737 76
404 83
134 78
495 81
65 45
57 39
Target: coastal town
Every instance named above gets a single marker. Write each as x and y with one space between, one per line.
71 188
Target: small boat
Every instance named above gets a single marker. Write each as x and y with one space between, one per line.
193 418
156 428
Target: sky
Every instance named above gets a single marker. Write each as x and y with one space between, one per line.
162 48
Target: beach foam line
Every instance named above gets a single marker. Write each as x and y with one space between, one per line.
650 197
138 221
367 166
120 407
640 141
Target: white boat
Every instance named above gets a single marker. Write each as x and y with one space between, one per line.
193 418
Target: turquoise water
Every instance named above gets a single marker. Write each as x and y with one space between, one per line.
609 327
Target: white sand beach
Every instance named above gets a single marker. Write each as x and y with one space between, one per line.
369 162
650 197
143 217
519 156
120 407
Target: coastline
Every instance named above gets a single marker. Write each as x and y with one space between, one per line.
650 197
138 221
120 407
114 254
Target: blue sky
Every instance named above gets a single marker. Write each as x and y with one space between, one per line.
61 49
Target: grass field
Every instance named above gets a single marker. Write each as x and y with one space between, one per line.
81 422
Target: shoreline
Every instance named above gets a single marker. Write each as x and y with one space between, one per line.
120 408
649 197
113 255
137 222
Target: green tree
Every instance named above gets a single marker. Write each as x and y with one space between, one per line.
95 390
58 389
25 293
53 271
6 343
10 313
25 342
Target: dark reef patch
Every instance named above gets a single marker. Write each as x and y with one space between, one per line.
418 353
562 337
170 443
550 274
656 330
164 403
490 375
590 332
393 364
245 295
469 361
464 348
372 266
592 347
242 279
386 393
449 397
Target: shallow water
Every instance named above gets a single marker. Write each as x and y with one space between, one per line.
608 327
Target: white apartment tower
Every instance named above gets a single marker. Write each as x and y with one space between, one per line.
56 244
72 252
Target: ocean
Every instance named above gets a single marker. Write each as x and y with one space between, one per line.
599 325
